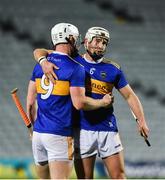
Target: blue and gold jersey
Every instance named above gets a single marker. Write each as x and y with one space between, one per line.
101 78
54 113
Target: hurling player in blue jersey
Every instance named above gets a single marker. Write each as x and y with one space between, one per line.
52 127
98 129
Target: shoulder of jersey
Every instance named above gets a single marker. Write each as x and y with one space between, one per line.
110 61
76 61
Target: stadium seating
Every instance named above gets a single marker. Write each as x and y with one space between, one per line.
138 46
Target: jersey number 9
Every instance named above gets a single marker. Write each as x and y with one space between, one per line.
47 86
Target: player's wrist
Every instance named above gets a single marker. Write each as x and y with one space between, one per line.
41 59
101 102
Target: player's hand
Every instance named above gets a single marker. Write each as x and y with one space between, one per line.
48 69
108 100
143 129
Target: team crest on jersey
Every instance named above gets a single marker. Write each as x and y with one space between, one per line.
103 74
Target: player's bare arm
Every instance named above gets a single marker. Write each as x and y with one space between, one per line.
31 101
47 67
136 107
80 101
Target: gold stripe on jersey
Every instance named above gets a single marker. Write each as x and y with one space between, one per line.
110 61
60 88
99 87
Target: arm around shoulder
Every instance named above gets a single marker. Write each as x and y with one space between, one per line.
41 53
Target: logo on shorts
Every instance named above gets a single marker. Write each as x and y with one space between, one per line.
117 145
110 124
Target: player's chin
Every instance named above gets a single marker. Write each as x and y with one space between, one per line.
99 53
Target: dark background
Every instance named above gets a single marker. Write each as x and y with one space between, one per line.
137 30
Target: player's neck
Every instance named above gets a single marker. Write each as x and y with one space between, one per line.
88 57
63 48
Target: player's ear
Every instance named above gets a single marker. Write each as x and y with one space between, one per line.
85 42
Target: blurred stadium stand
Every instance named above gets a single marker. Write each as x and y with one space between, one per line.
137 31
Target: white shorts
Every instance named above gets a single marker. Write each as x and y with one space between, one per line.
89 143
51 147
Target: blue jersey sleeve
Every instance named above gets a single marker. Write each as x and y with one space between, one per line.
120 80
78 77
